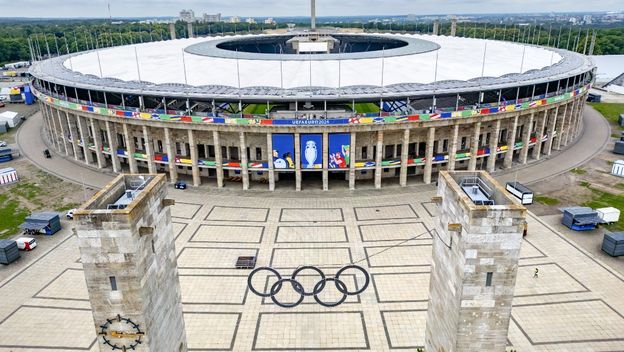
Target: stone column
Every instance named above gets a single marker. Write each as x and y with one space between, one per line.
491 162
579 115
218 158
84 135
55 132
130 150
551 131
429 155
97 141
537 149
352 162
149 150
73 135
378 159
244 161
325 161
453 148
526 139
474 147
46 120
404 158
270 161
195 159
297 162
59 121
568 122
560 129
112 146
171 156
511 143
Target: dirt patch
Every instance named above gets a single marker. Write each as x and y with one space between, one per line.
35 191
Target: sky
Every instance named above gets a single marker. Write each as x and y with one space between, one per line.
276 8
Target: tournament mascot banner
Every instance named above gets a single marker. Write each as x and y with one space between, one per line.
339 150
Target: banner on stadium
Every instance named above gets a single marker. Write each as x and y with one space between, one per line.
311 151
339 150
283 151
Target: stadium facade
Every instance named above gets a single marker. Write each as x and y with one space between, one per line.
340 108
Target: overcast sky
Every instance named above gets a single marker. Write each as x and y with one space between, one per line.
275 8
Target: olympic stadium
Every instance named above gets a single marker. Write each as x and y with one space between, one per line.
313 109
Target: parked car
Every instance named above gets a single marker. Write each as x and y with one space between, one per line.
47 154
26 243
70 214
3 144
2 104
180 185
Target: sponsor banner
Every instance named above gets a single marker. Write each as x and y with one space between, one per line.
311 151
339 147
283 151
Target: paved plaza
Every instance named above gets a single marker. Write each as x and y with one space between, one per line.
577 303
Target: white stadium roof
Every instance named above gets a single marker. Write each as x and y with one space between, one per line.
459 59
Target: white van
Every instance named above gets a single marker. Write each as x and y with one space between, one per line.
26 243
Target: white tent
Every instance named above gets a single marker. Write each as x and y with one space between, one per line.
11 117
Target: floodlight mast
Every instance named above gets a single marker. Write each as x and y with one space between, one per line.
313 15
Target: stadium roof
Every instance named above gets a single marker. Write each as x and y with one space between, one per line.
460 66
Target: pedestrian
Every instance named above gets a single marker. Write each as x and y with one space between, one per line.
536 273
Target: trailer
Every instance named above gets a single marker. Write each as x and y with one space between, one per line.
609 215
580 218
8 251
518 190
8 175
46 223
618 168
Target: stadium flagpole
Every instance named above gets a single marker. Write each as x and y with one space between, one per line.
97 53
136 58
32 57
240 103
383 63
549 34
56 45
435 82
522 62
184 66
281 70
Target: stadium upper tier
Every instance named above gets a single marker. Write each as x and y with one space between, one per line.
426 65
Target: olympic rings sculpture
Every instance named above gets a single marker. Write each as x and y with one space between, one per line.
318 287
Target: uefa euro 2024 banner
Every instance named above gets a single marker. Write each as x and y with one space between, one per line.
339 150
283 151
311 151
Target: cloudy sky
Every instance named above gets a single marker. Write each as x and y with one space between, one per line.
136 8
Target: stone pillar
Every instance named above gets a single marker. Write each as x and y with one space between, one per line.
149 150
189 29
474 146
97 141
73 135
297 162
112 146
472 281
270 161
511 143
84 135
55 132
404 158
526 139
244 161
560 129
551 131
130 150
172 31
195 159
579 115
63 130
436 27
537 148
378 159
568 123
218 158
325 161
171 156
453 148
352 162
429 156
491 162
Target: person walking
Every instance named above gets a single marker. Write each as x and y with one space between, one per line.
536 273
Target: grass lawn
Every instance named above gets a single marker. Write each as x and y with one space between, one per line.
256 109
611 111
11 216
546 200
603 199
366 108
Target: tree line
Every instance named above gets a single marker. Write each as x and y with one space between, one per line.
56 37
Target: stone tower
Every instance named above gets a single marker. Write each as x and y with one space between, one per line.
436 27
453 26
172 31
128 254
475 262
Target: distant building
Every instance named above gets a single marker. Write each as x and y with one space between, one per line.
250 20
235 19
211 18
411 18
187 16
269 20
587 19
